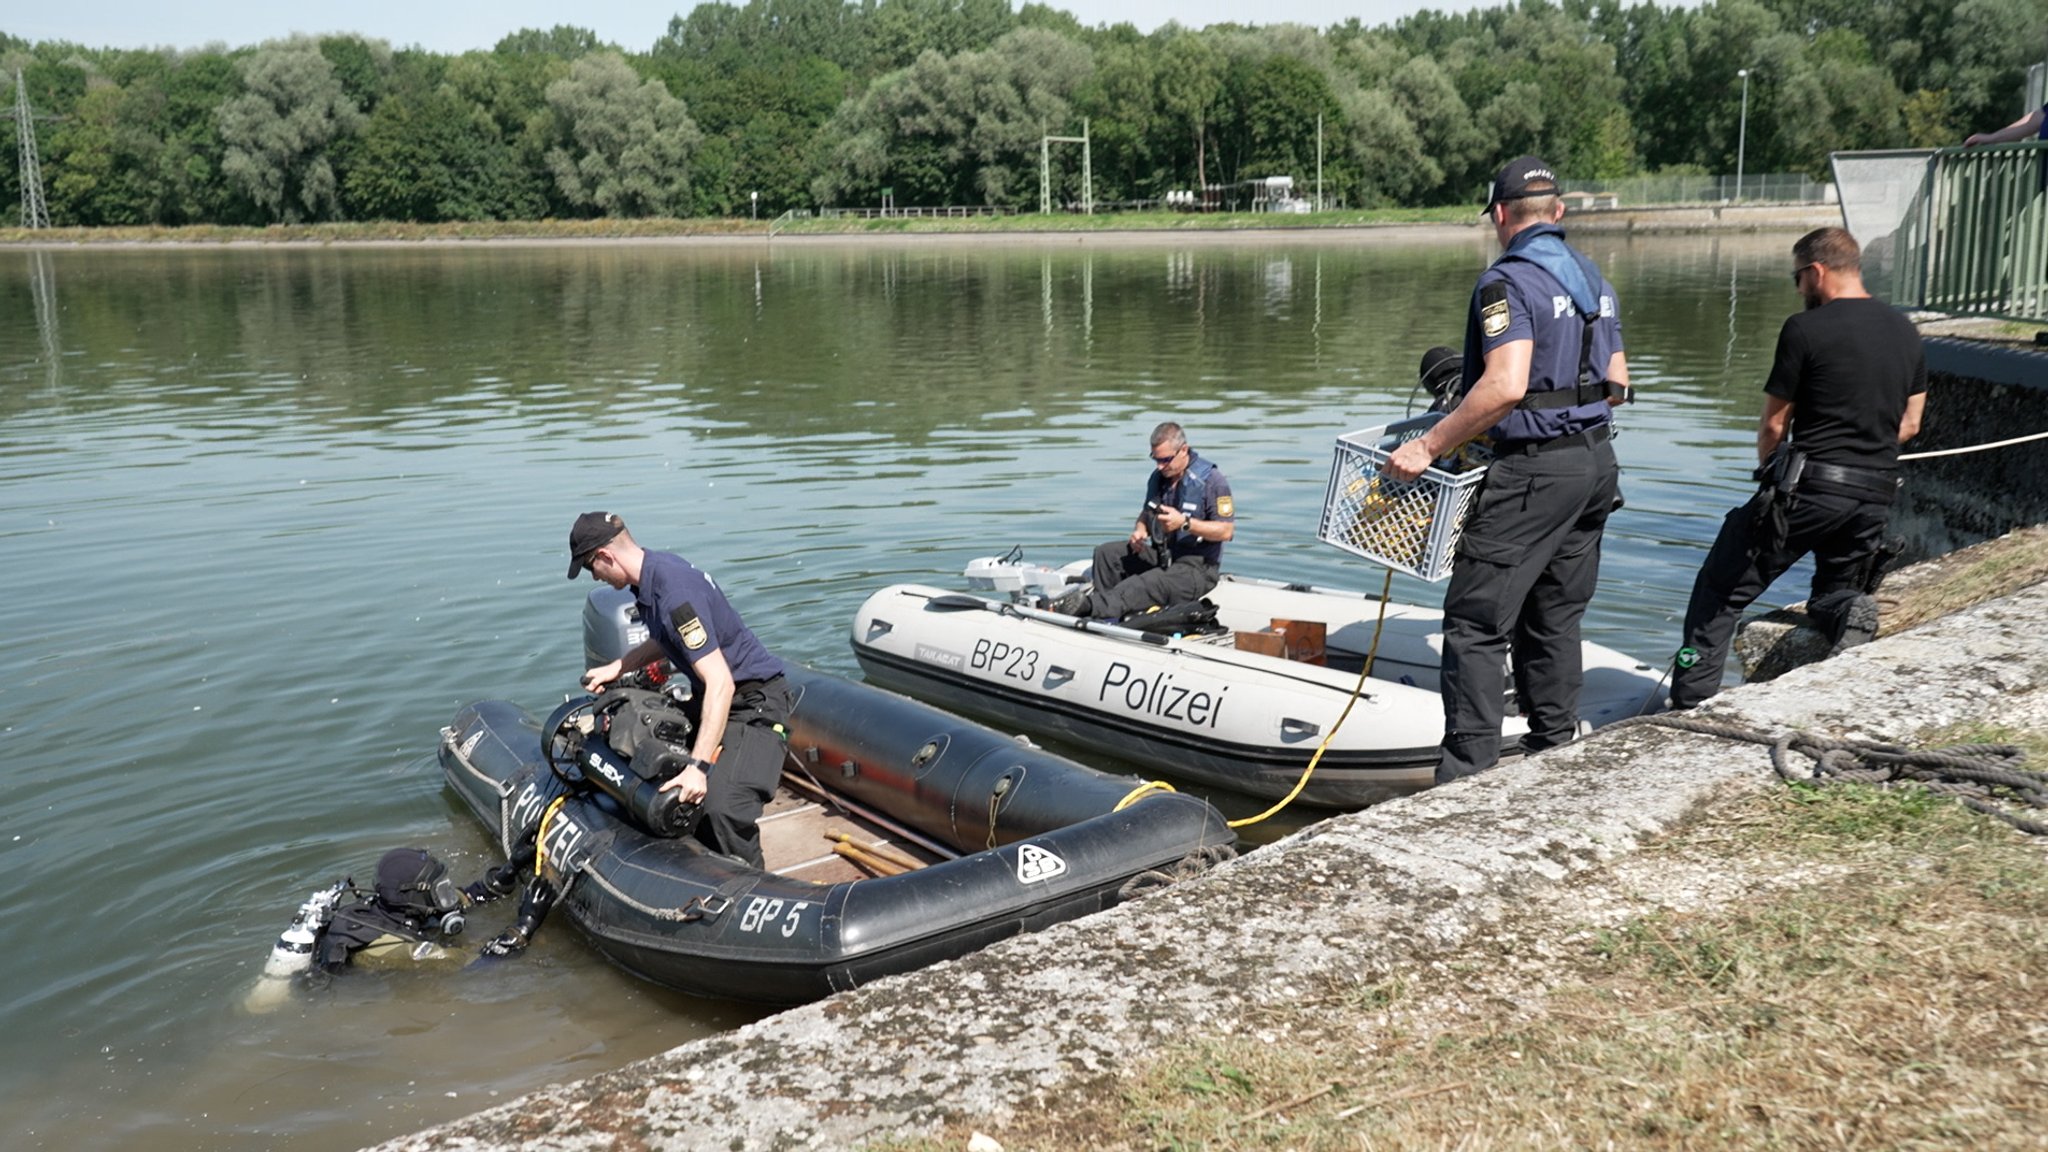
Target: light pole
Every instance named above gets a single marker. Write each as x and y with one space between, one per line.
1742 133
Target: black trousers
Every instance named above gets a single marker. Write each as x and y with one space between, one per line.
1843 533
749 768
1528 561
1127 581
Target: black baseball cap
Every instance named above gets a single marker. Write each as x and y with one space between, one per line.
593 530
1522 178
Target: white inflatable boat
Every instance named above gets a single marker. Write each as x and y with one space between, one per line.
1212 708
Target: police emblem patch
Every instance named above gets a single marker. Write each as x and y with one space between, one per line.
1225 508
1493 310
689 627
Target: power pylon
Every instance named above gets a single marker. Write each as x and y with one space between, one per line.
34 212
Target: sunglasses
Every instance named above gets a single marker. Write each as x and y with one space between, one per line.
1169 457
1798 270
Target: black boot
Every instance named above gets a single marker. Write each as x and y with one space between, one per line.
1072 602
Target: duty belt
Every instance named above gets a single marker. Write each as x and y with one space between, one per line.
1585 436
1855 483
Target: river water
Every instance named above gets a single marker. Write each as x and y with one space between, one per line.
270 515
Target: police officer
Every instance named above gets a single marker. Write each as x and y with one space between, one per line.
1174 553
1846 388
1543 366
741 698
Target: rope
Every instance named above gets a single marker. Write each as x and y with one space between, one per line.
1974 448
1186 868
1372 650
1140 792
1985 778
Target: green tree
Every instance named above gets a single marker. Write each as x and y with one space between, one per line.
562 42
622 145
1191 91
957 130
279 133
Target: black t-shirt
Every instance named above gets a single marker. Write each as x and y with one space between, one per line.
1848 367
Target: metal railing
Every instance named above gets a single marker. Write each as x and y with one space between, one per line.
1961 230
944 211
1660 190
1984 233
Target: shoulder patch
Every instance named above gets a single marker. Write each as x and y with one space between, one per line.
1493 309
1225 508
689 627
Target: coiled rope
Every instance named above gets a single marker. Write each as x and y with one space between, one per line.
1985 778
1186 868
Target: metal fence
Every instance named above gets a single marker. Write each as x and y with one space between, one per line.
1987 231
949 211
1652 191
1961 230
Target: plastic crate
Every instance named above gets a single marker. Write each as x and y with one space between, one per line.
1410 526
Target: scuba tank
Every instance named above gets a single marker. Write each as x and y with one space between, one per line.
293 952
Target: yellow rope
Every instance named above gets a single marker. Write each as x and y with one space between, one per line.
1140 792
1371 651
540 841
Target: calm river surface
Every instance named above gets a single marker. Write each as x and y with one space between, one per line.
271 515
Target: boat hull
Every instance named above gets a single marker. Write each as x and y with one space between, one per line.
1041 841
1200 708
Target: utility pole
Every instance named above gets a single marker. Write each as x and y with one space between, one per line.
34 212
1319 162
1742 134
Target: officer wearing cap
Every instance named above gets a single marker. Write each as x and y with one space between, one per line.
741 699
1543 367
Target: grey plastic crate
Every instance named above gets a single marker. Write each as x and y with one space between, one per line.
1410 526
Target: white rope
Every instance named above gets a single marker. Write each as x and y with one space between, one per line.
1973 448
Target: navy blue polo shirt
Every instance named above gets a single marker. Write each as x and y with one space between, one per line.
1517 299
685 611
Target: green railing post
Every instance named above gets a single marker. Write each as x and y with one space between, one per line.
1986 242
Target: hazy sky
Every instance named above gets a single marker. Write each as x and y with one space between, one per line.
631 24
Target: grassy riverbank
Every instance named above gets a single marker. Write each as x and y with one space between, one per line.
370 232
1800 967
1810 968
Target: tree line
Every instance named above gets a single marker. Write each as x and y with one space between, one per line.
831 102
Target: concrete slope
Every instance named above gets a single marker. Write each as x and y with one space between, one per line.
1033 1018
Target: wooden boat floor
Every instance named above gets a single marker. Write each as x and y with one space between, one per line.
795 840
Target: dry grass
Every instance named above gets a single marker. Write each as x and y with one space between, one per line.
1877 982
1947 584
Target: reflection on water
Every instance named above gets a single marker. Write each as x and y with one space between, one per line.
271 516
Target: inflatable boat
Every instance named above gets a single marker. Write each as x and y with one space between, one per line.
1242 703
902 836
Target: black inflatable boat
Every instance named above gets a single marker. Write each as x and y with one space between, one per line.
902 836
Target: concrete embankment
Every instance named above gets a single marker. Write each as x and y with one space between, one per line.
1347 901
